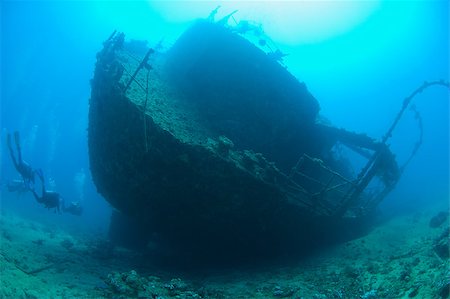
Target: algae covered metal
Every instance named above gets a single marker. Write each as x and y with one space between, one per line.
217 148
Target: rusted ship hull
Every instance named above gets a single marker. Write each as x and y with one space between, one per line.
201 147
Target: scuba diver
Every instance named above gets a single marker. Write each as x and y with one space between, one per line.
18 186
21 166
74 208
52 199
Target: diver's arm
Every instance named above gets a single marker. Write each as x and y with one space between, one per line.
38 199
41 177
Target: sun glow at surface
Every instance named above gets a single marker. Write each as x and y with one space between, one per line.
288 22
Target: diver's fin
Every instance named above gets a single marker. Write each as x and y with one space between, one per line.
40 174
17 138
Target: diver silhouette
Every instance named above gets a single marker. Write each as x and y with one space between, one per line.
50 199
53 200
22 167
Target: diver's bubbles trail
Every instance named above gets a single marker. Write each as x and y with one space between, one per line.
53 135
51 183
287 22
79 181
29 141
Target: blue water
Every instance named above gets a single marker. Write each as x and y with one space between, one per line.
360 75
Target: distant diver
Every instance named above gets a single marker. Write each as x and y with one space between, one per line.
74 208
21 166
53 200
18 186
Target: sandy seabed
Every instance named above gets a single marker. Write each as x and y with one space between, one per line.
395 260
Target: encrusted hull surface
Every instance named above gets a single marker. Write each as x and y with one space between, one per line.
192 163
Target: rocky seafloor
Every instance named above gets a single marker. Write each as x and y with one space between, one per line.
404 257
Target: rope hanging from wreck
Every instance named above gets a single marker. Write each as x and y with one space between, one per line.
143 111
143 64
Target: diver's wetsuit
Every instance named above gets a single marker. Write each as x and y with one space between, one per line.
21 166
50 199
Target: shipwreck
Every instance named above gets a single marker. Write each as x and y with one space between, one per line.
216 148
